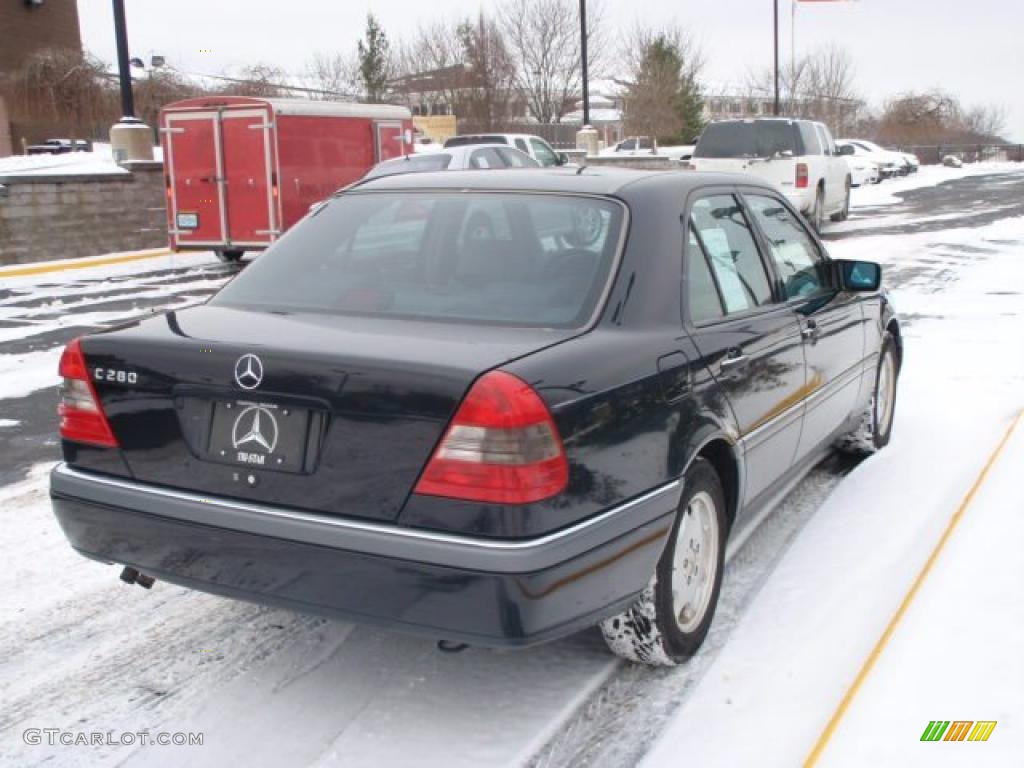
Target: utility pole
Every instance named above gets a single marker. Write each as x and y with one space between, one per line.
124 69
778 106
583 60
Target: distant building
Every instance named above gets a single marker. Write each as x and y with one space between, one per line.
27 27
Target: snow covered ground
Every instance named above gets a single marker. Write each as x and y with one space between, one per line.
805 599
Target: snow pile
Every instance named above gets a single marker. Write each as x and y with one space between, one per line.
99 161
887 193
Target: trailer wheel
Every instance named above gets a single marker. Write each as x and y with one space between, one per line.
229 256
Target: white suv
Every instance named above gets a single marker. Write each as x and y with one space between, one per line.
799 156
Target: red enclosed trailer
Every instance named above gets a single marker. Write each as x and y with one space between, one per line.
240 171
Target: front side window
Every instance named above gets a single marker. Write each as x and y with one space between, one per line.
545 156
797 259
527 260
484 159
725 235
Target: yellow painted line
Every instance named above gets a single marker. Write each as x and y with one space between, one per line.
82 264
883 641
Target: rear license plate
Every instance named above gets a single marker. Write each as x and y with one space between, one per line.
188 221
259 435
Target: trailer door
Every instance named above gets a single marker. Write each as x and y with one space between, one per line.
248 177
390 140
195 168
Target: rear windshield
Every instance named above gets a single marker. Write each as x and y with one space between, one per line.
754 138
527 260
437 161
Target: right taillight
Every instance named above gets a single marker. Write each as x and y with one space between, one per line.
81 416
801 176
502 447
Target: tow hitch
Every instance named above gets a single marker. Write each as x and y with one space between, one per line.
132 576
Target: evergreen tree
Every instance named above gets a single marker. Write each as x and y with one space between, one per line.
374 61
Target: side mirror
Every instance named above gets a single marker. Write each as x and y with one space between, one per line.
563 159
859 275
846 149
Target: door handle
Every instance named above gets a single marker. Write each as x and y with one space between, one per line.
810 331
734 361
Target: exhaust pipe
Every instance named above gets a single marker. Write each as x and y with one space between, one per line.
132 576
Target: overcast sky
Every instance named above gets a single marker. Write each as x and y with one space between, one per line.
974 48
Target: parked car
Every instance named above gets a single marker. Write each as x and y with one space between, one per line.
798 156
631 147
59 147
636 146
912 162
466 158
494 408
534 146
863 168
890 164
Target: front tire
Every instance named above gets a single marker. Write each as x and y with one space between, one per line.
670 620
874 430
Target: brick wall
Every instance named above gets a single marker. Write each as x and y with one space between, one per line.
45 218
25 30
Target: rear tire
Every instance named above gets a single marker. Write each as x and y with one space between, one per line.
817 215
844 214
874 430
670 620
230 256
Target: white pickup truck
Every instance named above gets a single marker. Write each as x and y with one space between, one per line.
799 156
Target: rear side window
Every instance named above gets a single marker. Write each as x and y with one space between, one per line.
724 233
812 143
521 146
505 259
748 138
797 259
702 294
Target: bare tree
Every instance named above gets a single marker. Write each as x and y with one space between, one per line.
818 86
491 74
332 76
543 38
937 117
260 80
433 66
60 91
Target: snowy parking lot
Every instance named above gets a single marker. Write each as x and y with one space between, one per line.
875 598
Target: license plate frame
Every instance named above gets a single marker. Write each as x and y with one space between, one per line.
257 435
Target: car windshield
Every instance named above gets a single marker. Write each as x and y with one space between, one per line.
437 161
755 138
517 259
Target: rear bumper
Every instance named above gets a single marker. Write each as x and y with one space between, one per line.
479 591
801 199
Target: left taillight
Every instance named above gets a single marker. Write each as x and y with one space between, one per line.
81 416
502 447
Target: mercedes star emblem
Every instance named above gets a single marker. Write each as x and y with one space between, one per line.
255 424
249 371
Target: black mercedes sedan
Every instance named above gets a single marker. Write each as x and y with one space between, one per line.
493 408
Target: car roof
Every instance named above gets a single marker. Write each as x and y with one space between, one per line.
611 182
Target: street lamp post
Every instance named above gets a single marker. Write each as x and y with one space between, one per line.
123 61
130 138
777 108
583 60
